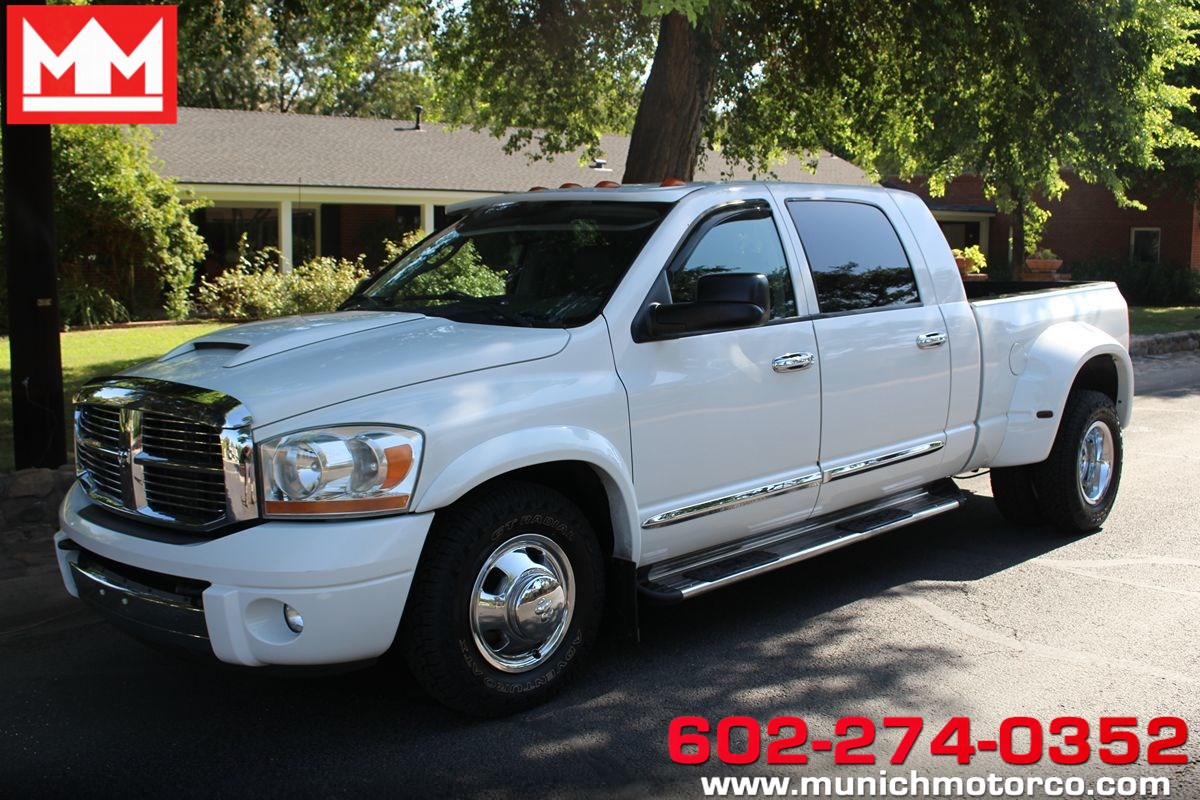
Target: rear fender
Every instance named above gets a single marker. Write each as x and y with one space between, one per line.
1050 371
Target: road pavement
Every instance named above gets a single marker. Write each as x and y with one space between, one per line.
961 616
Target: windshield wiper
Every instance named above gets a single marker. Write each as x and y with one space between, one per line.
496 306
363 301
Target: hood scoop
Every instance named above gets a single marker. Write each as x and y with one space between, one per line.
258 340
214 345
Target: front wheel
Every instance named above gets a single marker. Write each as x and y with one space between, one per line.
1077 484
506 601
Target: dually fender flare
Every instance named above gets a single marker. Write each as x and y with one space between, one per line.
534 447
1052 365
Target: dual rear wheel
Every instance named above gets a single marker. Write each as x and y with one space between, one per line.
1075 487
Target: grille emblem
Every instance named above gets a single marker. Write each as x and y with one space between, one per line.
132 473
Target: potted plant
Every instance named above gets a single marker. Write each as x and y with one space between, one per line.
1043 260
971 262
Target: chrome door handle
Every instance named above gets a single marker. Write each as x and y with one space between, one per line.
928 340
792 362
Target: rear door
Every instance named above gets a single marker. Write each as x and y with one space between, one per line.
883 349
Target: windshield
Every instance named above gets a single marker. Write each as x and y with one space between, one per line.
533 264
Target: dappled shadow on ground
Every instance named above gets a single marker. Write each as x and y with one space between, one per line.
1172 393
88 708
1175 375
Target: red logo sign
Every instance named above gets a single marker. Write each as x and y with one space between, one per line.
91 64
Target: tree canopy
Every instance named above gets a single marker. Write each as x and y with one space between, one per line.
356 58
1011 90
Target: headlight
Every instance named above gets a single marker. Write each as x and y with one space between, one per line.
350 470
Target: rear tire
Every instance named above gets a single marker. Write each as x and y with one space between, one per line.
1077 484
1012 489
506 601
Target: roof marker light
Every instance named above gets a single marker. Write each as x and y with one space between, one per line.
570 186
673 182
608 185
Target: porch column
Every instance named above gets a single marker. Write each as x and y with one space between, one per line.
427 218
285 235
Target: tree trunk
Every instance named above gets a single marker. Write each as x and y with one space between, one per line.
670 118
1018 237
30 252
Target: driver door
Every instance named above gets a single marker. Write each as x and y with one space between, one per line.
725 423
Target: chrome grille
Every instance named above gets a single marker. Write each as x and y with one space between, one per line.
166 453
189 481
181 440
97 447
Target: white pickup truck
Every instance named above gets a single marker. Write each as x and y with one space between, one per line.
568 400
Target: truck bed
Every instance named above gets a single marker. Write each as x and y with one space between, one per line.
981 290
1015 321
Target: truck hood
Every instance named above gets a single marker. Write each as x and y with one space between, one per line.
283 367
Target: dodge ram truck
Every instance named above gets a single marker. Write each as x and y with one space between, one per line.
568 402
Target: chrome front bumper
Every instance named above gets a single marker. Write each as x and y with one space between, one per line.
349 579
155 615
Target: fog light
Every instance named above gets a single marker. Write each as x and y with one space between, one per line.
293 619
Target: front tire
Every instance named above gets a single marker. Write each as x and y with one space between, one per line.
506 601
1077 484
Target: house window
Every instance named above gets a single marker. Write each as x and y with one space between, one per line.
304 234
1144 245
960 235
223 228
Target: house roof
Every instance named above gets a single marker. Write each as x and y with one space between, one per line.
212 146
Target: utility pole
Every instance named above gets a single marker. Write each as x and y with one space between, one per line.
31 261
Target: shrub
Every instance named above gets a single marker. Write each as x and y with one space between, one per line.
975 258
256 288
80 303
321 284
116 216
1144 284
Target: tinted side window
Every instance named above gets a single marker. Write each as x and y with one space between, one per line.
739 245
856 258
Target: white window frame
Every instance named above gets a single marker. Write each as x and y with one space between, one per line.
1133 232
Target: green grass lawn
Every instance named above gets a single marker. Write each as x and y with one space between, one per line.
1164 320
88 354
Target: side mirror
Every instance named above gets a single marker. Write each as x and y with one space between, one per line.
727 300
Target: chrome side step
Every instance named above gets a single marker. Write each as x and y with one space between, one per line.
697 573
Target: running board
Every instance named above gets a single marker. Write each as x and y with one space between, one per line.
697 573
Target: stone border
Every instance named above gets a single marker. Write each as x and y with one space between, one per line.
29 501
1158 344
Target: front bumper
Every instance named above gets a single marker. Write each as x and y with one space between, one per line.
348 579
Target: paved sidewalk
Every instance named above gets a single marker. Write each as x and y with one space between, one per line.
32 598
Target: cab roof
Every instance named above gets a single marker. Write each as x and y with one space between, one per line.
644 193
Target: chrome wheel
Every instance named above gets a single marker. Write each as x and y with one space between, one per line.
522 603
1095 462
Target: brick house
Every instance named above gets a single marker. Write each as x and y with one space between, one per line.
1085 225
